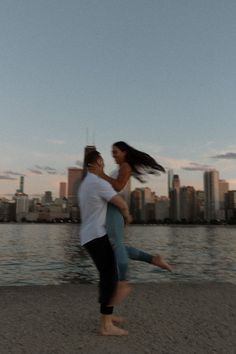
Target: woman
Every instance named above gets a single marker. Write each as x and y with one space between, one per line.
131 163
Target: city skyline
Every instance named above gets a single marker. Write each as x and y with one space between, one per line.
158 75
68 188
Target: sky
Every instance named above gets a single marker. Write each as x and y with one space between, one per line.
158 74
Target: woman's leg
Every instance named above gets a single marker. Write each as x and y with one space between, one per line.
115 231
139 255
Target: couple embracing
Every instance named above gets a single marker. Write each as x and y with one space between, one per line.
104 214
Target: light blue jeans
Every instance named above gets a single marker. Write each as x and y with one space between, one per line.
115 231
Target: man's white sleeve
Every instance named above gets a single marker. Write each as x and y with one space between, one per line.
106 191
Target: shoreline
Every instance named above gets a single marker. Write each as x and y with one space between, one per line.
161 318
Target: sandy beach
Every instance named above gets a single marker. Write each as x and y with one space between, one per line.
161 318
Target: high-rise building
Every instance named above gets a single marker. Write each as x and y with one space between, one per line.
47 198
136 204
62 190
230 204
22 206
74 178
170 181
87 149
142 204
187 204
223 190
200 205
212 199
162 206
175 199
21 185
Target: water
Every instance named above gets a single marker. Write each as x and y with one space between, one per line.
41 254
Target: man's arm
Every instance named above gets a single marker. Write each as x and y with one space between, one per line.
123 206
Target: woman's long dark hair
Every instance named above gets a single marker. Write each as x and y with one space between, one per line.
140 162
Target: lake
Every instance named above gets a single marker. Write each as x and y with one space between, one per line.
42 254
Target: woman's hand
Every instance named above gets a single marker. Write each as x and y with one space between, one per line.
128 219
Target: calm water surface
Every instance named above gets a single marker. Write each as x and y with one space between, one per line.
51 254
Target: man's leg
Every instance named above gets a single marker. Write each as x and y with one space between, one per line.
102 254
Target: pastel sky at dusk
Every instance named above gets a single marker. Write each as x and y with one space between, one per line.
158 74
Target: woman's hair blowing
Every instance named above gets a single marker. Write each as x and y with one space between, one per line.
140 162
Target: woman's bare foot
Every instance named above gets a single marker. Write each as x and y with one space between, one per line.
112 330
122 291
159 261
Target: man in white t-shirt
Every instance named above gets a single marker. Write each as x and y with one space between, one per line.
94 194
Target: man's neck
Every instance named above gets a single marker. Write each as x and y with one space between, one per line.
94 171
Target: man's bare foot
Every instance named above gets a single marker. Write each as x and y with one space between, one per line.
159 261
112 330
122 291
117 319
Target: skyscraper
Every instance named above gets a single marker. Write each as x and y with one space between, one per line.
230 200
62 190
223 190
47 198
142 203
74 178
22 184
188 204
212 200
175 199
200 205
87 149
170 182
22 205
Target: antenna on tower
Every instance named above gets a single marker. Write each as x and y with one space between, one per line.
93 138
87 133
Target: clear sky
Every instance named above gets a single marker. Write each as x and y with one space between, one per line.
158 74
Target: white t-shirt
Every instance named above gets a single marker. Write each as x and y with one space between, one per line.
94 194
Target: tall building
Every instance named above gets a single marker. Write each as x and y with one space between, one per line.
87 149
143 204
212 199
22 206
136 204
223 190
62 190
170 182
175 199
47 198
230 204
200 205
74 178
21 185
162 206
187 204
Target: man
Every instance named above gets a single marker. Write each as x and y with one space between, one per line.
94 194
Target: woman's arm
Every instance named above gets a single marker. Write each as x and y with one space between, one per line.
124 175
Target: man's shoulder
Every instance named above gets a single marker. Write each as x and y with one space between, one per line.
96 180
